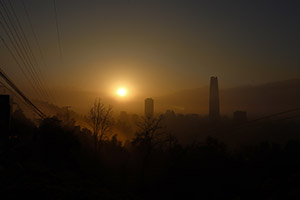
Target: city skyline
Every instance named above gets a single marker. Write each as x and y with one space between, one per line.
149 99
176 44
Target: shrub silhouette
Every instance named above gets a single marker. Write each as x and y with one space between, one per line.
56 143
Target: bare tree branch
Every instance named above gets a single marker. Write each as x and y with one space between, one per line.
101 121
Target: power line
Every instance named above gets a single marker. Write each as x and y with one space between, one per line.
18 64
19 46
25 45
288 118
13 86
41 78
274 115
57 30
18 97
38 45
33 32
236 126
15 95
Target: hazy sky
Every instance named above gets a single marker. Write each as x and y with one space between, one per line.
161 46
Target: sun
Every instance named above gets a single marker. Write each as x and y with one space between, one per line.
122 92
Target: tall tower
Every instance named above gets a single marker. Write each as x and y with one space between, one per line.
149 107
214 104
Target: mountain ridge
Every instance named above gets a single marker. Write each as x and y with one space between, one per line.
256 99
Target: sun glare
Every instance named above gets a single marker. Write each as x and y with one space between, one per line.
122 92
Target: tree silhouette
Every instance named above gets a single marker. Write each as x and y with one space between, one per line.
147 138
100 120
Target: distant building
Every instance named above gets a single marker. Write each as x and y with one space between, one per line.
192 116
5 114
170 114
149 107
214 104
240 116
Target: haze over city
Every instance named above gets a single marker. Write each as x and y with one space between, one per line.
155 48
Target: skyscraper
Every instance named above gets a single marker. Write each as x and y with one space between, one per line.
214 104
149 107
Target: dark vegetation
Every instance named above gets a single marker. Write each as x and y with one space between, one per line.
56 160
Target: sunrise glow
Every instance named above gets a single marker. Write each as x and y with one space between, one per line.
122 92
